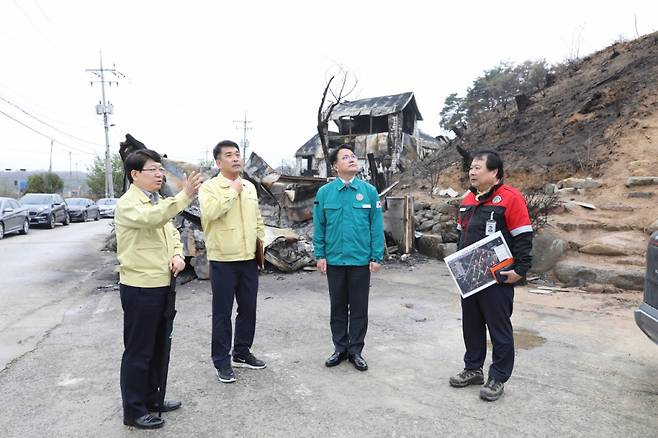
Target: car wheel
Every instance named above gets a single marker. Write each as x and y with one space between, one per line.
51 221
67 219
98 216
26 227
85 217
2 230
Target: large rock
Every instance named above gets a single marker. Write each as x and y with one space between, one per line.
418 206
579 183
446 209
615 244
547 248
450 236
426 225
449 248
578 273
432 246
550 188
634 181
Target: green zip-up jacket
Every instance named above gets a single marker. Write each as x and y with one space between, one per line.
348 227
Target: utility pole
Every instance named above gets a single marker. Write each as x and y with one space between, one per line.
245 126
105 108
70 167
50 166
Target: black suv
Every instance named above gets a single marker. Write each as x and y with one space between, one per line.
646 316
46 209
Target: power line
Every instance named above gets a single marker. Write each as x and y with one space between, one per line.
48 124
49 137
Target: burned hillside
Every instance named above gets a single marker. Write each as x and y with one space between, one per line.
573 124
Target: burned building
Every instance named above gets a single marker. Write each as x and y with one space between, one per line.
386 126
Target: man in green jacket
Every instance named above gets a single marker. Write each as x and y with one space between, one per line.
231 223
348 237
148 250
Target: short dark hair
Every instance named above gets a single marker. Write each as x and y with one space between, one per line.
217 150
492 160
333 156
136 161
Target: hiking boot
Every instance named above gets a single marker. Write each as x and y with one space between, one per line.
467 377
225 374
248 361
492 390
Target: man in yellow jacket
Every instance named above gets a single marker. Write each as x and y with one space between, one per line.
148 249
231 223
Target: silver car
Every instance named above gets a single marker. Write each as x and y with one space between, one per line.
106 206
13 217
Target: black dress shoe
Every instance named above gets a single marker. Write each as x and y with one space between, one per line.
359 362
335 359
169 405
147 421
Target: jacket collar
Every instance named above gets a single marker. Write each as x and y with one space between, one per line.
482 197
222 180
354 183
139 194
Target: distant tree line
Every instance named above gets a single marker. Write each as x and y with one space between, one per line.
47 182
496 86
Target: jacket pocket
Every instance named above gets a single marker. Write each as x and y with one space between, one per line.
332 213
228 241
361 215
150 258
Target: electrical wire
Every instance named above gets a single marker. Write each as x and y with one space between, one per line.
67 146
82 140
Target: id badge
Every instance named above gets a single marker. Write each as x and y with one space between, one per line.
490 227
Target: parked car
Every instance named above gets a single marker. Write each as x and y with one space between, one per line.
646 317
46 209
107 206
13 217
82 209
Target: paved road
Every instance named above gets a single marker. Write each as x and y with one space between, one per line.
582 368
40 273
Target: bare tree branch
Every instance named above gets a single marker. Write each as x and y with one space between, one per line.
323 126
324 114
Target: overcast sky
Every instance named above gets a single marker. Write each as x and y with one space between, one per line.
192 68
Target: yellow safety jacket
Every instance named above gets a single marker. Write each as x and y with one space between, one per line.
231 221
146 238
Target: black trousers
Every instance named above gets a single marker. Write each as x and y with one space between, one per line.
349 287
143 339
229 280
490 308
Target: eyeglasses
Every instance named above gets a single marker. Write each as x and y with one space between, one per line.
154 169
348 157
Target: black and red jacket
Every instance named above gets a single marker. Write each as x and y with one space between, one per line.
511 215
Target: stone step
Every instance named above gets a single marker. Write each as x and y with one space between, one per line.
573 226
635 181
641 195
574 272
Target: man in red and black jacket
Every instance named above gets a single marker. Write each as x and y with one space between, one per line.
492 206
